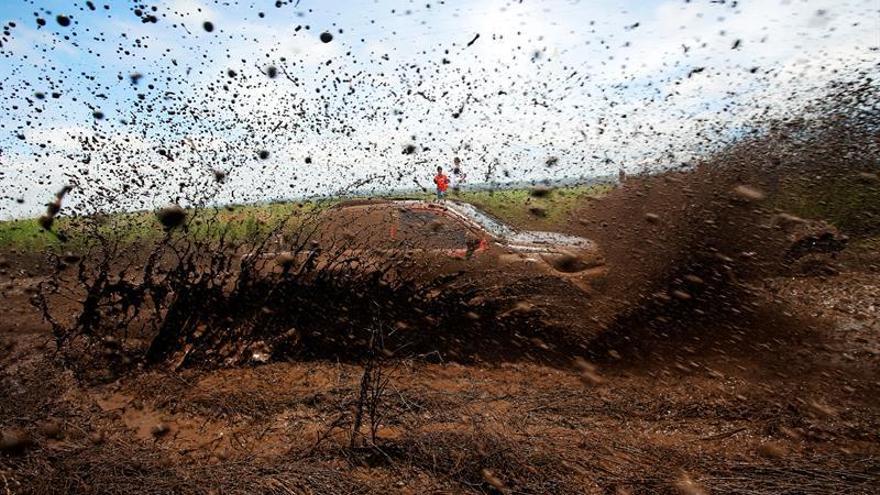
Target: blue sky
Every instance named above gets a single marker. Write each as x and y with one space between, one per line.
599 85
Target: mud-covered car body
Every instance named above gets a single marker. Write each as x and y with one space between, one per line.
446 236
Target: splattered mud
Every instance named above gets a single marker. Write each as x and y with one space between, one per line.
688 302
778 393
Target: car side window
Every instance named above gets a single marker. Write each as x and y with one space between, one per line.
425 229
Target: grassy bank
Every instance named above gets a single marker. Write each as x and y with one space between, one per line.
521 208
241 222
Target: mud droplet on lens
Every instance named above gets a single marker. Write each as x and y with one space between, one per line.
748 193
15 441
46 222
160 430
171 216
540 191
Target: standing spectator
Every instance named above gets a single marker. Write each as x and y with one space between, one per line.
442 182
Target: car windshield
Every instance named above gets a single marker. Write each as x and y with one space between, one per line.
485 221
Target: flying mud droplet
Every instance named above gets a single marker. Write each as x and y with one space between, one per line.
748 193
15 441
54 207
681 295
821 409
326 37
70 257
772 450
492 479
46 221
652 218
160 430
208 26
540 191
588 372
538 211
868 177
51 428
97 438
62 20
685 485
285 260
171 216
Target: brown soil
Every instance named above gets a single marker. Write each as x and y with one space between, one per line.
769 387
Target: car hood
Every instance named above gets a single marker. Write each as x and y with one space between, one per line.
536 240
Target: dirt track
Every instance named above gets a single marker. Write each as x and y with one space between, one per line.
773 390
769 403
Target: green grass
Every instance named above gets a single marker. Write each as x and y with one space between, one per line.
242 221
26 234
519 208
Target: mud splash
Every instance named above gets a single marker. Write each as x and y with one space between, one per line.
784 201
681 244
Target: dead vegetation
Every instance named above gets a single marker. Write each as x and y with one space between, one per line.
197 365
185 301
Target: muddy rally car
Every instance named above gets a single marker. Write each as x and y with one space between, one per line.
437 238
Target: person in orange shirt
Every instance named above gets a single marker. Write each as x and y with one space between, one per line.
442 182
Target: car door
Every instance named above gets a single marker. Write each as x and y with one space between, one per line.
435 232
